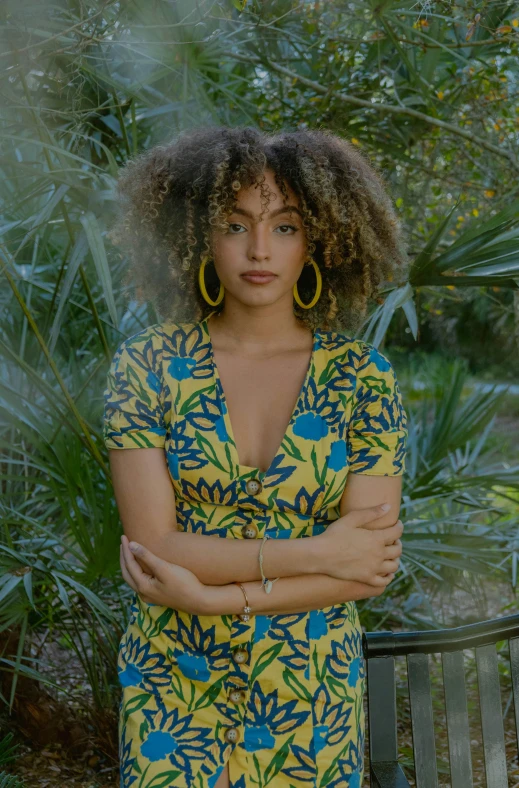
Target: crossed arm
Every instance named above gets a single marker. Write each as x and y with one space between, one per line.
146 501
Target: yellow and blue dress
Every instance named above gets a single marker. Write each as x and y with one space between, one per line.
278 697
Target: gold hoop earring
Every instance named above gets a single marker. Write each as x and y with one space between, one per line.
201 284
317 291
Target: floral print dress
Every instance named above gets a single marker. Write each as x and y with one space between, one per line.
278 697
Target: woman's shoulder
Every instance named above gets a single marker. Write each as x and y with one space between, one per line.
156 334
354 356
340 343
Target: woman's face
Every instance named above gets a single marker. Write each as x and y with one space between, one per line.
276 244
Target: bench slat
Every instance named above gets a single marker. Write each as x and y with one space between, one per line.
382 709
457 719
491 716
514 662
422 720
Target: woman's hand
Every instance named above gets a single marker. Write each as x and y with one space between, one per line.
163 583
354 548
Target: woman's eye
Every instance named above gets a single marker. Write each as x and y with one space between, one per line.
235 224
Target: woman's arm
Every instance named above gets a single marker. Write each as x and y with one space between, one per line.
165 583
146 502
288 595
300 594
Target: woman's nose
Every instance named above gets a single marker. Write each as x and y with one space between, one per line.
259 242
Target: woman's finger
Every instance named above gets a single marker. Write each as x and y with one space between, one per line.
124 571
155 564
132 566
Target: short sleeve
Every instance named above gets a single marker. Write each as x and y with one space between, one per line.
378 428
133 415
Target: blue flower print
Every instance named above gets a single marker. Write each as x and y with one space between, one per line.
153 382
194 666
310 426
345 661
140 664
158 745
379 360
337 458
172 735
180 368
317 627
266 717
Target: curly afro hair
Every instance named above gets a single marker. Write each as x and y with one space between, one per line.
170 197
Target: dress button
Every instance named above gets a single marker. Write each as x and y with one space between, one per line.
249 531
232 735
240 655
253 486
237 696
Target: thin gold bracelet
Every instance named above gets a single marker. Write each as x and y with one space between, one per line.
267 584
247 609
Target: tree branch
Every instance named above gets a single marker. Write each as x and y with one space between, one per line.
348 99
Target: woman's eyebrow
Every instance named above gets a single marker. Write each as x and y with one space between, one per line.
275 212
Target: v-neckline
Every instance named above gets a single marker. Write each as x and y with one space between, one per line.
225 410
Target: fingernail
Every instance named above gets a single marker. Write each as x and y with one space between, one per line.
385 507
134 546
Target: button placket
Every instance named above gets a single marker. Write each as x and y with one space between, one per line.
232 735
249 493
237 679
250 531
237 696
253 486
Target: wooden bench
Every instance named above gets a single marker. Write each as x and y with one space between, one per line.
380 650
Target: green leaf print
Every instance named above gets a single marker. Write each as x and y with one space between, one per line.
264 661
332 769
136 384
319 676
209 696
327 373
233 469
160 622
258 782
291 449
141 440
295 685
207 448
272 498
283 521
377 384
162 780
319 476
178 397
374 440
134 704
331 495
192 402
278 761
176 686
143 729
338 689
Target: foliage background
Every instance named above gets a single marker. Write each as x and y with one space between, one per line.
429 91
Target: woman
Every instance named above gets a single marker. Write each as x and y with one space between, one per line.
264 440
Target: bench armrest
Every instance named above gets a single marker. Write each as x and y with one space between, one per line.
388 774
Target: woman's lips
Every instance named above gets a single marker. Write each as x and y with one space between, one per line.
259 279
